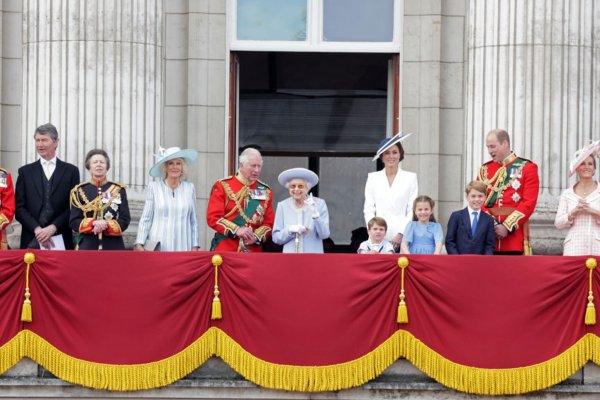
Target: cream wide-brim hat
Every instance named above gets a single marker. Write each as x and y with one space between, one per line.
164 155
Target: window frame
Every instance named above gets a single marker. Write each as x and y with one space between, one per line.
314 33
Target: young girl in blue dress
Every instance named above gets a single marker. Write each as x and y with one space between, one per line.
423 235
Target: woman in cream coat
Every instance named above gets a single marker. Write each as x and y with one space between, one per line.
390 193
579 206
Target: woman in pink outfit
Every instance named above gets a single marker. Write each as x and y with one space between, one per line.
579 206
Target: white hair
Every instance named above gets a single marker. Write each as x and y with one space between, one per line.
246 154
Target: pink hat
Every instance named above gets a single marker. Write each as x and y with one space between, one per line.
580 155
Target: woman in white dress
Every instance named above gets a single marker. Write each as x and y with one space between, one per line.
579 206
169 221
390 193
301 220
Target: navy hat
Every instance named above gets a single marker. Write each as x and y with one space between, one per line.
298 173
389 142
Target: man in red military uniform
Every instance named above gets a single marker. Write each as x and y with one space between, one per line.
7 205
240 208
512 191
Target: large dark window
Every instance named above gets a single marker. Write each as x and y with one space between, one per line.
312 102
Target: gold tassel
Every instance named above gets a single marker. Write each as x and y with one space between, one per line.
590 311
26 312
216 313
402 308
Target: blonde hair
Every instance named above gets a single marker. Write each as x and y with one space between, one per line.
476 185
163 168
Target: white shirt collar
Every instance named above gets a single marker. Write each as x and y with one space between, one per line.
471 211
52 161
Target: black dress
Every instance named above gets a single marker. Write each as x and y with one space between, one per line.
91 202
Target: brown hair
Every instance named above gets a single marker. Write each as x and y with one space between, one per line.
423 199
377 221
95 152
400 148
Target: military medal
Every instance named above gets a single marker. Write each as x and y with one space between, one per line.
516 184
516 197
258 194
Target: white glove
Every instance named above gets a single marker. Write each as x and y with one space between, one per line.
297 229
312 206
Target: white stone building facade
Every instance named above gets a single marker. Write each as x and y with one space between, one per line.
130 75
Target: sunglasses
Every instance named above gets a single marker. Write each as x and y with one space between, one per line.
298 186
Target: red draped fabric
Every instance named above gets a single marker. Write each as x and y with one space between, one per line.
124 320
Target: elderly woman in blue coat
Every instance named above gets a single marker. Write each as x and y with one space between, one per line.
301 220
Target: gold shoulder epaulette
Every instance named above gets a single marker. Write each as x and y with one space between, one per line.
264 184
226 178
122 185
80 185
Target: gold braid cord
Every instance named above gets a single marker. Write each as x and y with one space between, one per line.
81 201
237 198
496 183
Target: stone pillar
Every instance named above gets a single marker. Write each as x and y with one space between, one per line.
11 84
195 89
532 68
93 68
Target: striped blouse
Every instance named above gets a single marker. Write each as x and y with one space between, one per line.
169 217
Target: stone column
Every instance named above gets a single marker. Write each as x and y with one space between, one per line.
532 68
93 68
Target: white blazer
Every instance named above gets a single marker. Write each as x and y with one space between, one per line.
393 203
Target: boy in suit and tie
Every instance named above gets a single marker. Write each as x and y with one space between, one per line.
471 231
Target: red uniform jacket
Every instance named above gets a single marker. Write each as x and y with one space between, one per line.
233 204
7 204
512 192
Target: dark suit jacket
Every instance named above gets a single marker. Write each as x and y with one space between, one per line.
459 239
29 195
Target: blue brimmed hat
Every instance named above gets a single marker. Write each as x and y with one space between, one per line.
298 173
389 142
164 155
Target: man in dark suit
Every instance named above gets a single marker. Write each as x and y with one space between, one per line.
470 230
42 194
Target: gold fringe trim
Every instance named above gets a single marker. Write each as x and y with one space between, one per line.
11 353
301 378
404 344
491 381
307 378
118 377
